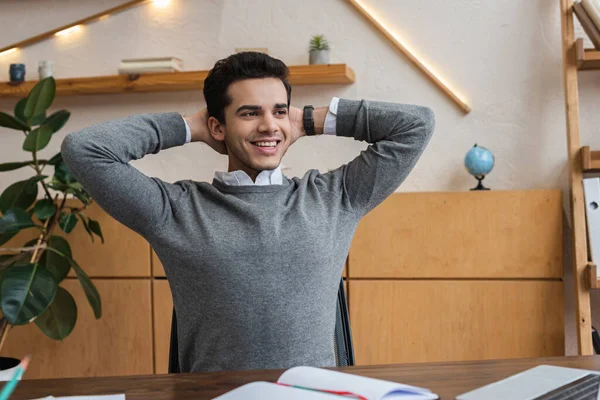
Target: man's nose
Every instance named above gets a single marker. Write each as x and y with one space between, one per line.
268 123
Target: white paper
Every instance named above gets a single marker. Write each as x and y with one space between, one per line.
372 389
271 391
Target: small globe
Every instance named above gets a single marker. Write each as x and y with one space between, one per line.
479 161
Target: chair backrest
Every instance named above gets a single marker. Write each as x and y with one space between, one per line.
342 338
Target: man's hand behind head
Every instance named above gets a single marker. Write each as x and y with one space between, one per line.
198 124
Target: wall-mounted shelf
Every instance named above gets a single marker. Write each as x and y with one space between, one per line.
586 58
174 81
590 160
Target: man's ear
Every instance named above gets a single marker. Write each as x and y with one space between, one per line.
217 130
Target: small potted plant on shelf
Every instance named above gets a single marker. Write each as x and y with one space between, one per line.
31 273
319 50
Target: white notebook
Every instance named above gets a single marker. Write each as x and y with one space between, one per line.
308 383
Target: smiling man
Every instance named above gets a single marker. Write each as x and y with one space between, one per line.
254 258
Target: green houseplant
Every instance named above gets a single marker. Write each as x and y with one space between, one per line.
30 275
319 50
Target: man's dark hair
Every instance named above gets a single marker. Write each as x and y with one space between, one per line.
237 67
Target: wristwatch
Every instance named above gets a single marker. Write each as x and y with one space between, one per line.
308 121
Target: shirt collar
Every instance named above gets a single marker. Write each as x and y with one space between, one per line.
240 178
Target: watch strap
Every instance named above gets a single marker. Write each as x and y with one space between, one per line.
308 120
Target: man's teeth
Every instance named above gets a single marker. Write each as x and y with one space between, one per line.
266 144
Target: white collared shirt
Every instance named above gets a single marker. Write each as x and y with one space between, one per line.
272 176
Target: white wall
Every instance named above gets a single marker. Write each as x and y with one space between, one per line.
504 56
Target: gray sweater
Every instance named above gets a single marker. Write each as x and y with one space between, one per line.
254 270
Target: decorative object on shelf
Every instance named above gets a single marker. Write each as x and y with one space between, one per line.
45 69
150 65
17 73
319 50
30 288
479 161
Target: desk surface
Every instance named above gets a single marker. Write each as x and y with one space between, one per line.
446 379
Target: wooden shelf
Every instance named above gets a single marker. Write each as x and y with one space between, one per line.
593 276
586 58
590 160
174 81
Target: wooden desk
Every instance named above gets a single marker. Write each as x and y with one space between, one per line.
446 379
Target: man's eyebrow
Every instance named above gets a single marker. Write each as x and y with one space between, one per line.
249 108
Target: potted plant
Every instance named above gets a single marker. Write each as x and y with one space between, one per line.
319 50
30 275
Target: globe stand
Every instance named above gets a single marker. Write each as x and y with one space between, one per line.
479 184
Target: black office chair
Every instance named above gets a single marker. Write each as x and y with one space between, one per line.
342 338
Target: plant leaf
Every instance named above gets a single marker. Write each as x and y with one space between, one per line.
88 287
56 159
95 227
14 165
58 266
58 321
44 209
26 292
40 98
8 121
86 226
20 113
67 221
38 139
20 109
57 120
83 196
63 174
14 220
20 194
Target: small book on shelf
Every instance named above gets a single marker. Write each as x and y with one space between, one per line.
149 65
309 383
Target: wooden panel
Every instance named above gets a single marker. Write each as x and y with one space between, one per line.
123 254
120 343
509 234
157 267
417 321
174 81
163 310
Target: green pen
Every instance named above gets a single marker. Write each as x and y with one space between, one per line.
10 386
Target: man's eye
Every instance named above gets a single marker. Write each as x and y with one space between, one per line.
250 114
281 112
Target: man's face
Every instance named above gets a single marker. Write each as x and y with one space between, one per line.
257 129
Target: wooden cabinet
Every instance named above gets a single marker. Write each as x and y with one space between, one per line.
120 343
495 234
458 276
413 321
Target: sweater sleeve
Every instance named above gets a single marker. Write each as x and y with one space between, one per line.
98 156
398 135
